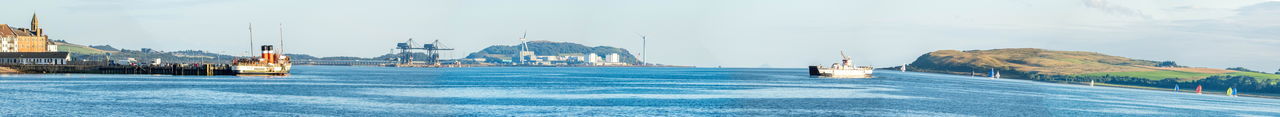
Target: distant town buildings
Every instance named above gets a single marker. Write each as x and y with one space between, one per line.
614 58
529 58
29 45
526 57
593 58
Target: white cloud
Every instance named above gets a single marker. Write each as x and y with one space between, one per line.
1115 9
1266 13
1256 21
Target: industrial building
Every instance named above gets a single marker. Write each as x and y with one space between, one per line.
528 58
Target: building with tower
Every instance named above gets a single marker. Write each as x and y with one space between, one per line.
29 45
33 39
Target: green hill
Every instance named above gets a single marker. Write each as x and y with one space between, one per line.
100 53
79 49
1077 66
1030 60
549 48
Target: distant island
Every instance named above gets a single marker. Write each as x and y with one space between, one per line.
1083 67
507 53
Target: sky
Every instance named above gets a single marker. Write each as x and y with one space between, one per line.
728 33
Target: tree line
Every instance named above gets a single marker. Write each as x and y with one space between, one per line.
1211 83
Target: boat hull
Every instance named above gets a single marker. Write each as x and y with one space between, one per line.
263 69
840 73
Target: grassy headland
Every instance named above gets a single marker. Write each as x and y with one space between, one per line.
1077 66
498 53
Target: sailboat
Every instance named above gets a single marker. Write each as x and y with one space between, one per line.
903 68
997 74
1231 92
1198 88
1235 93
1091 83
1175 87
991 74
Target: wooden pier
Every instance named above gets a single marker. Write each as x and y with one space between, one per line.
165 69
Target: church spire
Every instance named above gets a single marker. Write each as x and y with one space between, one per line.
35 24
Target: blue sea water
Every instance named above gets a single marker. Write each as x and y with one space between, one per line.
550 91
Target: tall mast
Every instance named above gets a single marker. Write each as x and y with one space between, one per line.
281 48
251 46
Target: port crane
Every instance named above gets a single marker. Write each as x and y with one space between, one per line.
433 49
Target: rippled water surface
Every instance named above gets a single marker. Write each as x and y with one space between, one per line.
381 91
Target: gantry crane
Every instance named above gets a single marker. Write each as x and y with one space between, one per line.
432 49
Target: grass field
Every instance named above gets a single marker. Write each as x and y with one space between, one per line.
1255 75
79 50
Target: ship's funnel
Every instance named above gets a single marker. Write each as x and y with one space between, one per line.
266 48
268 55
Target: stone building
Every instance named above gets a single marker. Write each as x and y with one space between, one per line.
31 39
29 46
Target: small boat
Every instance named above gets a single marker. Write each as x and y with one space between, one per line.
1231 92
993 74
844 69
1198 88
903 68
1235 93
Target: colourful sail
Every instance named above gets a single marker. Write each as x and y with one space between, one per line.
1228 91
1231 92
1235 92
997 74
992 74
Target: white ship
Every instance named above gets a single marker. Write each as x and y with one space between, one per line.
844 69
268 63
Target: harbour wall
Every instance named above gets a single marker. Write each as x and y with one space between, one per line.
164 69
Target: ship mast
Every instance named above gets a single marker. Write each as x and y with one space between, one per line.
281 39
251 46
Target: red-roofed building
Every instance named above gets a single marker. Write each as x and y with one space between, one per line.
25 39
